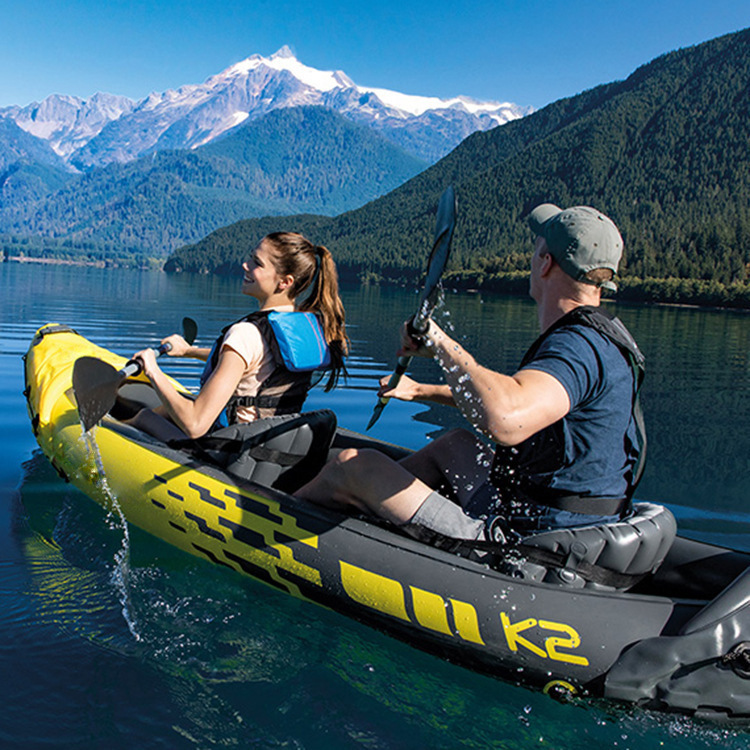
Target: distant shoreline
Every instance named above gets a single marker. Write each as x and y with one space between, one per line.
55 261
109 263
514 284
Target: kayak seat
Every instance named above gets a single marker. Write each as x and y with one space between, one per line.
613 556
131 398
283 452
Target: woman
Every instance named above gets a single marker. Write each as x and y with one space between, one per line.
281 268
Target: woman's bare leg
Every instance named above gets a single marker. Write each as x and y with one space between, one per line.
370 481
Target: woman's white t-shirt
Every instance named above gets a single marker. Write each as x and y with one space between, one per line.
245 339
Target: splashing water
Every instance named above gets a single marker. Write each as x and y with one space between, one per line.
441 309
116 521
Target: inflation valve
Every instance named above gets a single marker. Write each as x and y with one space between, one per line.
560 690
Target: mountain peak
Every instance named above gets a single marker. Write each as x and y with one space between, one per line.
193 115
285 51
321 80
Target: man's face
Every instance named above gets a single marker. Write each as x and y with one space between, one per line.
540 249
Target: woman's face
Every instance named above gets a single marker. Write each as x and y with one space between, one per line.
260 279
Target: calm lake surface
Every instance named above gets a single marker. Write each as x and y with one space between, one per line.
171 652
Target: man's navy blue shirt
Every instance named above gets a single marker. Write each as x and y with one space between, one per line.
599 430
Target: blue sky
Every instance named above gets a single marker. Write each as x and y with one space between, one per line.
526 51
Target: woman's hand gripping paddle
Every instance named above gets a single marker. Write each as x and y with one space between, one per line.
95 383
441 246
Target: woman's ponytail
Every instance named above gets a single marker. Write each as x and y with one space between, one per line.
312 268
324 299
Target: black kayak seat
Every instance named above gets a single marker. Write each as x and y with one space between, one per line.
132 396
612 556
283 452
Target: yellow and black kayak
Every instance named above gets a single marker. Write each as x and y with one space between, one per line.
627 611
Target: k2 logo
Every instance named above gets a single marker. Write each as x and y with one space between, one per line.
568 639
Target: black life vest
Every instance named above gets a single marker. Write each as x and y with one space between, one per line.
544 451
282 392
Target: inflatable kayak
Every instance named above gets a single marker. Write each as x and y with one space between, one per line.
627 611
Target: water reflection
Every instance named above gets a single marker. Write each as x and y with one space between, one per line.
240 664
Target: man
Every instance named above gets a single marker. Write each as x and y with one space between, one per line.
564 425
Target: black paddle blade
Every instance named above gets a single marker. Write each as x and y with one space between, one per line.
189 330
95 385
445 223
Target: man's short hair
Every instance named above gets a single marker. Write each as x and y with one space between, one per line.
600 276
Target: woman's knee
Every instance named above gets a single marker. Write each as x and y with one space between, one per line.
346 455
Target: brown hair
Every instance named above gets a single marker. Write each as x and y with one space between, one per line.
598 276
312 267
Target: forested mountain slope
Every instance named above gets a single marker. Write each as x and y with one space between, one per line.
290 160
665 152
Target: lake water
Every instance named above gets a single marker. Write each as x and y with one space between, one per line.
171 652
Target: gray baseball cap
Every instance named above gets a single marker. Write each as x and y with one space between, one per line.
580 239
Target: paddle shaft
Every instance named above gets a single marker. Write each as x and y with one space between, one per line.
95 383
189 332
402 364
134 366
446 219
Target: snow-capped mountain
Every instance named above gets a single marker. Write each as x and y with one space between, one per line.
108 128
67 122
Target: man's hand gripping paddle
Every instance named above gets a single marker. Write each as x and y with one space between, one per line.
95 383
444 225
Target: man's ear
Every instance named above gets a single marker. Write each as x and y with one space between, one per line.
547 263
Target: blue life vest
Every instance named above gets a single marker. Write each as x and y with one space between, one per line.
298 347
301 342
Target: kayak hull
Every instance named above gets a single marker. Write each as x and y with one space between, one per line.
545 636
